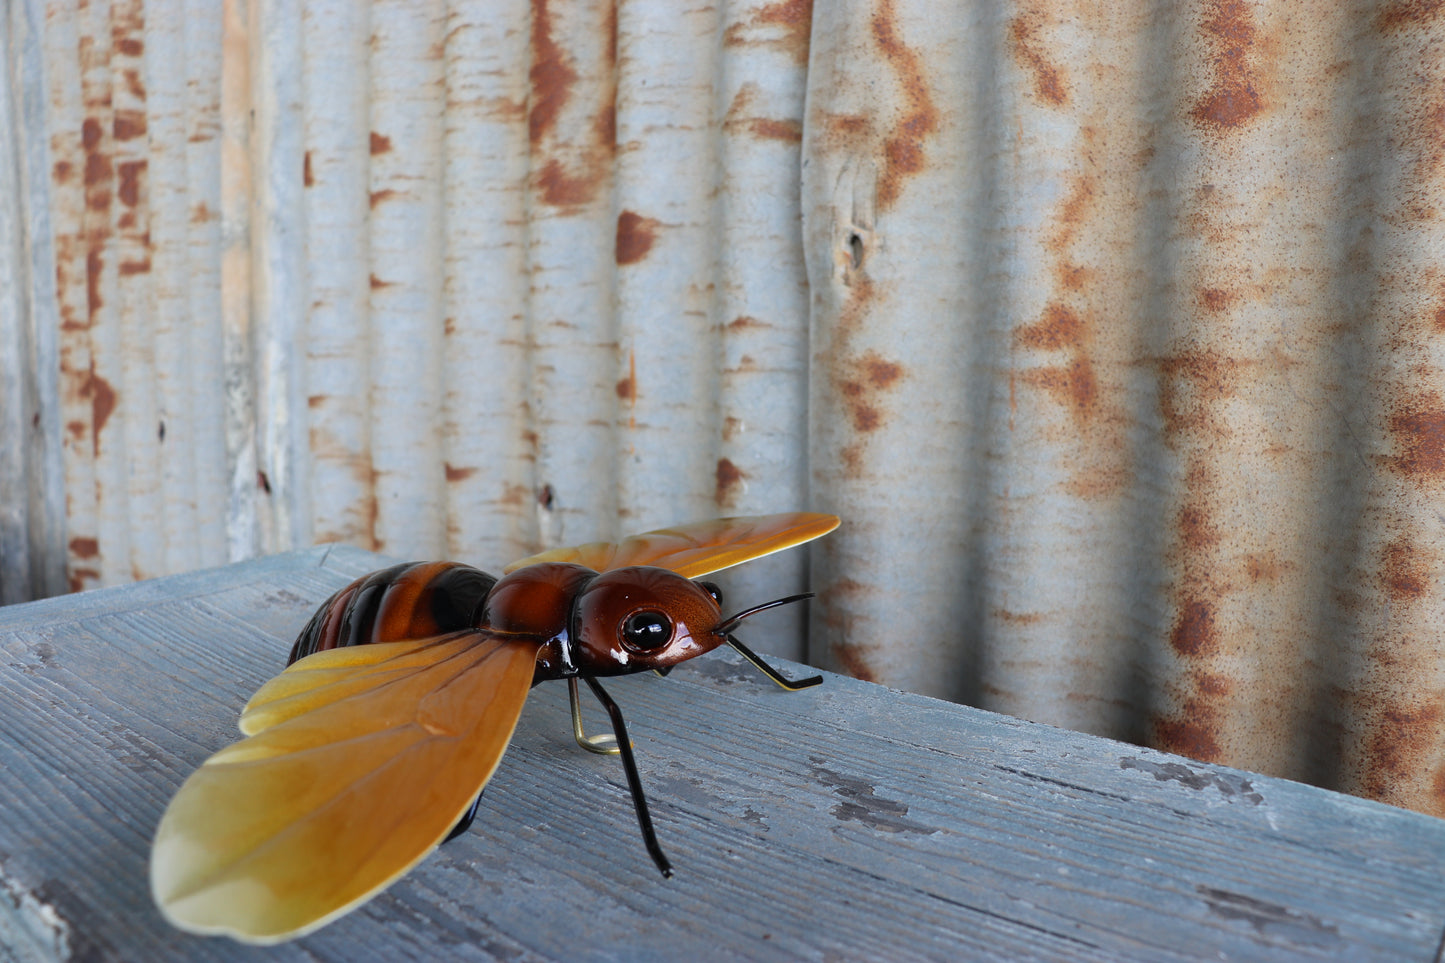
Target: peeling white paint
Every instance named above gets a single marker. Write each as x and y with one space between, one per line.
31 930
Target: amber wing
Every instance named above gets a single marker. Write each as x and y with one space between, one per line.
357 763
699 549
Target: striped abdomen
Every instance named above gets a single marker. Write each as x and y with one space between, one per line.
412 600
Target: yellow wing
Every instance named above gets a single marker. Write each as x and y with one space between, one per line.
699 549
358 762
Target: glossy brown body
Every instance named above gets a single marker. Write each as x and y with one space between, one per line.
576 614
412 600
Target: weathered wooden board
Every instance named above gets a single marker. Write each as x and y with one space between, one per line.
844 822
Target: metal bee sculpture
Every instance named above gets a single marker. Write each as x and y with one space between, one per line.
400 697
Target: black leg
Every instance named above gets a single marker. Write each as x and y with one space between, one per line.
465 822
639 801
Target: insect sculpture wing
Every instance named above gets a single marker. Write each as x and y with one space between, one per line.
358 761
699 549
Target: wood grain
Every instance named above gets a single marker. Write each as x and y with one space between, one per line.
846 822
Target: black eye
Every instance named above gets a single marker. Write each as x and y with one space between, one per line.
647 630
711 589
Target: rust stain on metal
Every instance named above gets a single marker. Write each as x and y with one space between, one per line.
604 125
763 128
97 163
129 268
1424 145
1212 684
128 124
745 321
609 30
739 119
627 387
1197 530
94 268
1073 213
853 659
1404 738
563 189
786 25
78 577
867 377
1017 618
455 474
1234 99
729 479
845 375
84 547
880 372
1073 382
380 144
635 236
1049 81
1418 431
1192 380
377 283
130 176
1192 733
1267 568
846 127
551 75
1216 300
1409 14
903 154
1060 327
102 404
385 194
1405 570
307 177
1073 385
1194 632
367 471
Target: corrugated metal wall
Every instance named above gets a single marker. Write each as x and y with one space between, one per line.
1116 334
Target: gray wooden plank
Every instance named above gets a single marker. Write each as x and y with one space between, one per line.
843 822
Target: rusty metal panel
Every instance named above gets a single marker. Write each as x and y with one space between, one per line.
1126 362
464 280
1112 334
32 554
487 438
335 211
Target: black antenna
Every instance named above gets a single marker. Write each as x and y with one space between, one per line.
731 623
